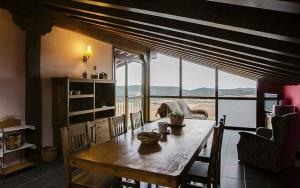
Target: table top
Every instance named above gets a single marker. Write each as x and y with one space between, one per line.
125 156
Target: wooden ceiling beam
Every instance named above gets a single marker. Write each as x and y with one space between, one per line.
223 48
209 35
235 68
140 39
255 21
62 21
220 63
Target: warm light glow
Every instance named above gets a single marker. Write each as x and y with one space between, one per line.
89 51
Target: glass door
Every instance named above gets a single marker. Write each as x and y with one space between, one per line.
129 87
135 88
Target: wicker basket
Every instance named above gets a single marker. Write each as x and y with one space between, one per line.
13 141
149 137
50 153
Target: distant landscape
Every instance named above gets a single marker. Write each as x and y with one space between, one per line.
134 90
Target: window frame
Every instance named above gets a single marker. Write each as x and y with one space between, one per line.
216 97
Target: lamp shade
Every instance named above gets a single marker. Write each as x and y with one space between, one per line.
88 52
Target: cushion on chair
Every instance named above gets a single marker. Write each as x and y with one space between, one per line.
93 180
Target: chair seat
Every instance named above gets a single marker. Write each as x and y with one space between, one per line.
204 155
93 180
198 172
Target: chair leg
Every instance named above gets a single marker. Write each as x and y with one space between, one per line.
218 174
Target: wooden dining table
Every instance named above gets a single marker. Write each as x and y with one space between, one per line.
165 163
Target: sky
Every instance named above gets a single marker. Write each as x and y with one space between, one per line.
164 71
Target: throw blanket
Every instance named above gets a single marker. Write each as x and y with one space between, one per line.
179 106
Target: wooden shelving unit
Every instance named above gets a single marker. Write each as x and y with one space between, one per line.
95 101
22 162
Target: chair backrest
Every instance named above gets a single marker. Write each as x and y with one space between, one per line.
91 131
136 120
74 138
215 155
222 127
285 130
117 126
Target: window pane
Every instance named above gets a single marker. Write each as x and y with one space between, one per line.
134 79
164 76
154 105
120 90
239 113
269 105
197 80
205 104
235 86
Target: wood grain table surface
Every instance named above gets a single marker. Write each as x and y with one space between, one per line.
165 163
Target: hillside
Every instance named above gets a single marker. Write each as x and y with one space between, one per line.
173 91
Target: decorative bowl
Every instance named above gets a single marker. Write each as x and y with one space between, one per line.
149 137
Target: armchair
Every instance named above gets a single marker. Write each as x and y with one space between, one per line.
272 150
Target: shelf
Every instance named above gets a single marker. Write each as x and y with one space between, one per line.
16 128
24 146
16 167
92 80
81 96
80 112
104 108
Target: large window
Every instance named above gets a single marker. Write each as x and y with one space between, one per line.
164 76
173 78
237 99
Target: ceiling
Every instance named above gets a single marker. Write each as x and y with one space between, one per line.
253 38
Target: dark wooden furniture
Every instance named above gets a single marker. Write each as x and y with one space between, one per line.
166 163
95 102
137 120
208 172
74 139
98 131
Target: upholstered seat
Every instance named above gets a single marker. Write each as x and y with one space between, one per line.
272 150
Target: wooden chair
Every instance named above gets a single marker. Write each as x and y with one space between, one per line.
205 153
207 172
75 139
136 120
118 126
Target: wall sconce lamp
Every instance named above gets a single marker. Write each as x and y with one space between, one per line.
87 54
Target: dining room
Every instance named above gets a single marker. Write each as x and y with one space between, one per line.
149 94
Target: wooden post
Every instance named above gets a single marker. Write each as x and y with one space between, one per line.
35 20
147 60
33 94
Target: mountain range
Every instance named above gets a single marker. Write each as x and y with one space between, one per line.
134 90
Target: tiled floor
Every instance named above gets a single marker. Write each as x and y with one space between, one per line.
234 174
